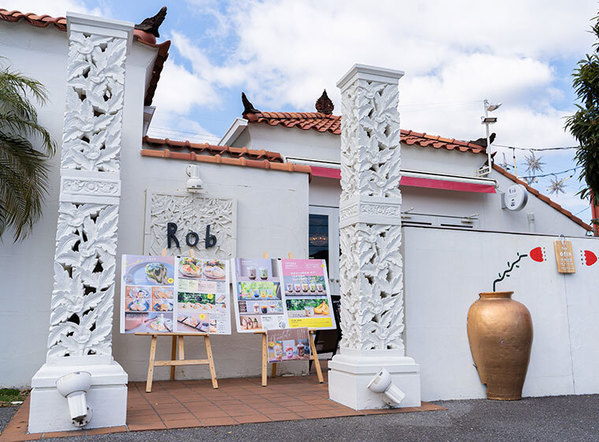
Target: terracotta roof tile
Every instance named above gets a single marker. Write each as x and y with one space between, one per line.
43 21
542 197
39 21
303 120
157 144
208 153
332 123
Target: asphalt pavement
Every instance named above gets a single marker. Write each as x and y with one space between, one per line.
557 418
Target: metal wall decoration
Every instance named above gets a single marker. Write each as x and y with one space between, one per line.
84 269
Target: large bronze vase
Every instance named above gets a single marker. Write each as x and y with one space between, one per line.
500 335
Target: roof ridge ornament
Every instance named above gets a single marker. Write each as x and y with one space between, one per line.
324 105
151 24
248 107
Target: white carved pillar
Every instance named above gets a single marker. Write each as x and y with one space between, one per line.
371 269
80 337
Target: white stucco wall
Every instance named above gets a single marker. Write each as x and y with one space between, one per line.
488 208
325 191
271 217
444 272
292 141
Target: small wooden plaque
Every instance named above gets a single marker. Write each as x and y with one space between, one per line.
564 256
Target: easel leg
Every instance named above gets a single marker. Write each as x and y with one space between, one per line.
173 356
273 371
264 360
210 361
314 357
151 364
181 348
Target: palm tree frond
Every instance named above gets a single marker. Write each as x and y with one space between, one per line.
23 168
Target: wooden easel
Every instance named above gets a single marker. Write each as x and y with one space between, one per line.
273 373
177 342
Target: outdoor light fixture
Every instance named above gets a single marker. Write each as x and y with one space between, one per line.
486 120
194 182
489 120
382 383
74 387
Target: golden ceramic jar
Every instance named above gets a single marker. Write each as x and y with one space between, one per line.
500 335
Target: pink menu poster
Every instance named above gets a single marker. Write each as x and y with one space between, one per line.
307 294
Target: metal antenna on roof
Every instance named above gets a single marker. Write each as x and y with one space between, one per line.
486 120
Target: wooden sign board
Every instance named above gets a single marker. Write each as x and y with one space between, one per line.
564 256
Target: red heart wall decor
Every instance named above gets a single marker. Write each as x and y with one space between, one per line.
589 258
537 254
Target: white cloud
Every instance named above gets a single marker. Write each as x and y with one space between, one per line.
179 90
454 53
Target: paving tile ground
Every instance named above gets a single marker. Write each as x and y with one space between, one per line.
195 404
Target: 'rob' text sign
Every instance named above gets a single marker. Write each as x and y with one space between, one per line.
191 238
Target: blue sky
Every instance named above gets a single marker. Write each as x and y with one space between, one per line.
283 53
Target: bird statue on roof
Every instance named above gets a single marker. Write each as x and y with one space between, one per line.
248 107
324 105
151 24
483 141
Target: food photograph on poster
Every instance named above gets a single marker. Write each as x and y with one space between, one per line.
202 289
174 295
288 345
307 296
147 294
258 297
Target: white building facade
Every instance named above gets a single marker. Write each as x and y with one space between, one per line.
281 170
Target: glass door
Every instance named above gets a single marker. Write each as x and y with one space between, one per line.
323 241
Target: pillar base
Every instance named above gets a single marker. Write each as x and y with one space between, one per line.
107 396
351 371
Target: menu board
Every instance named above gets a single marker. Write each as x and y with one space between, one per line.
163 294
307 294
257 295
202 287
288 345
147 296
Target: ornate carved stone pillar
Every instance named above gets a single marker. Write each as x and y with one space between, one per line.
80 337
371 269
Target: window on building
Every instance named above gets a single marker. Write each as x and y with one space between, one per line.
323 240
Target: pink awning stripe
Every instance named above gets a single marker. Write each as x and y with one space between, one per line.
326 172
430 183
446 185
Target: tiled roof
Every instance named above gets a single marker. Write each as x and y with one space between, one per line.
39 21
542 197
332 123
303 120
425 140
208 153
43 21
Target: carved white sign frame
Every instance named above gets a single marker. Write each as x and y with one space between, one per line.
219 212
